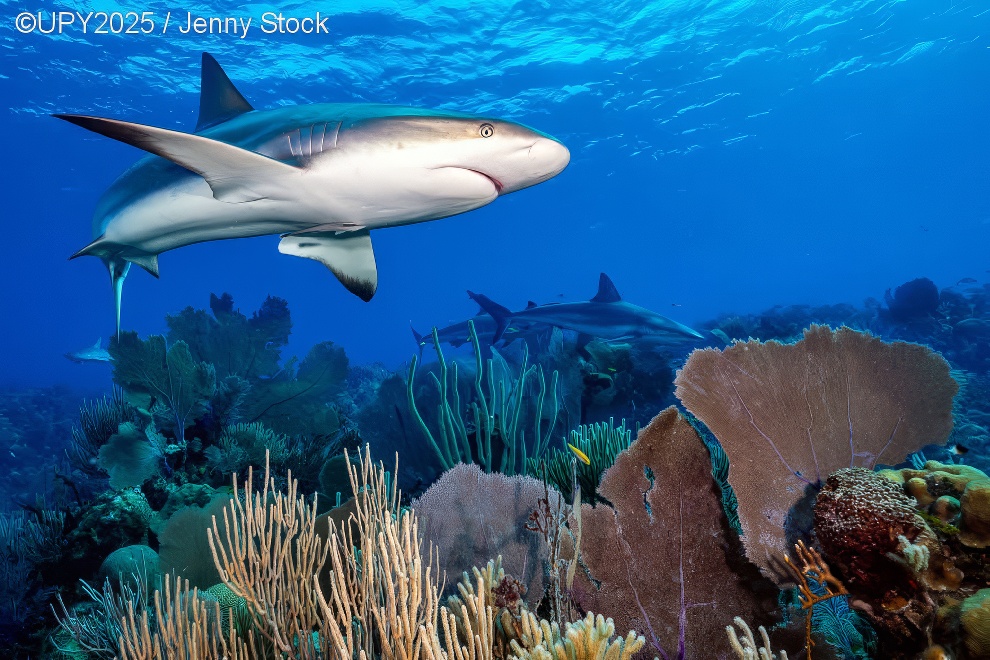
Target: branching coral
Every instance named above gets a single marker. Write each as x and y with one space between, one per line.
601 443
503 405
789 415
746 648
591 638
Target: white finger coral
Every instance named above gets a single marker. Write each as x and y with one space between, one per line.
746 648
588 639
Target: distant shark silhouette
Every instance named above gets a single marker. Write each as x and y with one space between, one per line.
458 334
606 316
321 175
92 353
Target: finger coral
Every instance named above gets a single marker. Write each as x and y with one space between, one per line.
591 638
788 415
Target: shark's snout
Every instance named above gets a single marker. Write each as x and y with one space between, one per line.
542 159
549 156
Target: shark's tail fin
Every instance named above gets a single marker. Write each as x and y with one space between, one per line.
420 340
500 314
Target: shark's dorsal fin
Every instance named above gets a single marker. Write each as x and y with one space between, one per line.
219 100
348 255
607 293
98 342
531 305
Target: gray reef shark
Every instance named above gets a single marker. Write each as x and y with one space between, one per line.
606 316
321 175
92 353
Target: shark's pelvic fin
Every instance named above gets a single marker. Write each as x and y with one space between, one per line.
348 255
607 293
219 100
234 174
147 261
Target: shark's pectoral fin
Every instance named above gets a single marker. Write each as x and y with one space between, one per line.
234 174
348 255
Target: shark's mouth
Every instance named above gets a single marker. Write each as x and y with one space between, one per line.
495 182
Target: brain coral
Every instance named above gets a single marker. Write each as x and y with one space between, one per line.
975 619
788 415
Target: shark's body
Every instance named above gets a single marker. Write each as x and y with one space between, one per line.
606 316
321 175
94 353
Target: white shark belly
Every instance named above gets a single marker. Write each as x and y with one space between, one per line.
185 214
358 191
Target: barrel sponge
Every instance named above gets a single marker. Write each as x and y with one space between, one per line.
788 415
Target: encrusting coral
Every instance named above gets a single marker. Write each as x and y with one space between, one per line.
788 415
974 619
947 490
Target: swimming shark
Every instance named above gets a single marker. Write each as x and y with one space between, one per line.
458 334
92 353
322 176
606 316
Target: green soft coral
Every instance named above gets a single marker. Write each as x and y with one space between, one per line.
176 384
296 402
232 342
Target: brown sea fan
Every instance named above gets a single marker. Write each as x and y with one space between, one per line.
788 415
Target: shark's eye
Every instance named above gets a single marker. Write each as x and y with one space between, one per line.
486 130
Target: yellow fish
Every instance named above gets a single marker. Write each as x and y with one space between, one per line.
580 454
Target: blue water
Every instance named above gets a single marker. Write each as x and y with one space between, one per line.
725 157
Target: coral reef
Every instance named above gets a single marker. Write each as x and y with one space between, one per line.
600 443
955 494
787 415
